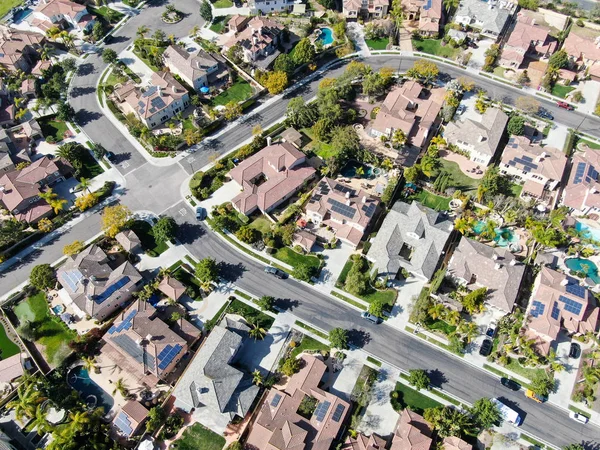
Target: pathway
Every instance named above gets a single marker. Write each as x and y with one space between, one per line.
405 40
356 34
380 417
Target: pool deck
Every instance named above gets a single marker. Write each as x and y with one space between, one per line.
562 258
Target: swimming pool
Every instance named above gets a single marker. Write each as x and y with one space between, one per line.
58 309
504 236
22 14
350 170
592 233
90 392
584 265
326 36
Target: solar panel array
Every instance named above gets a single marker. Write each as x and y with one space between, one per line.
344 189
575 289
111 290
157 103
537 308
124 424
167 355
369 209
337 414
125 325
526 162
72 278
324 187
579 173
512 142
592 175
341 208
321 410
555 311
276 400
130 347
150 91
570 305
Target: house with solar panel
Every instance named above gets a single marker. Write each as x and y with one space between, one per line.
213 388
558 303
144 346
198 69
157 103
129 419
279 425
425 15
347 211
582 192
96 284
540 169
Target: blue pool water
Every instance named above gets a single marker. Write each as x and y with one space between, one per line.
58 309
349 170
22 14
326 36
90 392
584 265
504 236
592 233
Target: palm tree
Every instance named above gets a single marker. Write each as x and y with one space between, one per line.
489 231
171 9
468 330
398 138
84 183
257 332
257 377
78 420
67 39
111 15
121 388
451 4
437 311
194 31
206 286
53 200
452 317
462 225
159 36
142 31
40 422
89 363
53 32
46 52
25 405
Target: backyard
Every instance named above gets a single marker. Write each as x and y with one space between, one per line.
7 347
7 5
322 149
377 44
432 201
49 331
239 91
434 47
459 179
144 231
219 24
198 437
404 396
52 127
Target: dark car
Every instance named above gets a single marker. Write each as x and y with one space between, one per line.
444 77
491 329
276 272
575 350
486 347
545 114
110 156
510 384
473 44
200 213
565 105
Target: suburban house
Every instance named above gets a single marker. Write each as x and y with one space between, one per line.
582 192
212 384
365 9
8 111
237 23
412 109
559 302
280 425
172 287
527 38
490 17
129 241
199 69
425 15
20 189
158 103
19 49
477 265
270 177
584 54
129 419
305 239
480 139
63 14
413 237
270 6
96 284
348 212
540 168
258 40
11 368
362 442
144 346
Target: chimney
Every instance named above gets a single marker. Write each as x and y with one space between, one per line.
495 257
481 138
148 337
268 140
139 342
513 262
348 202
593 190
364 199
498 266
564 282
348 194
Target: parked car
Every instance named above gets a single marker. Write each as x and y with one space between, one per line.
110 156
491 329
486 347
578 417
276 272
371 317
545 114
510 384
200 213
473 44
565 105
461 109
575 350
535 397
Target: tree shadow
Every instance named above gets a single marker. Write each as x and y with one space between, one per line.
231 272
85 69
358 338
437 378
188 232
79 91
286 304
122 157
24 261
84 117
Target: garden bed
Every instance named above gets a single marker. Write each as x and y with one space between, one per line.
309 344
144 231
50 126
386 296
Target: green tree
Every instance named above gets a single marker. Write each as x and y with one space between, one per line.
232 110
257 377
247 234
207 270
156 416
65 112
27 401
284 63
574 447
419 379
235 53
376 307
42 277
290 366
121 388
257 332
451 5
523 78
276 82
411 174
516 125
304 271
338 338
109 56
542 384
206 11
300 114
235 445
559 60
423 70
373 84
485 413
164 229
473 301
345 141
40 421
448 421
265 303
304 52
97 31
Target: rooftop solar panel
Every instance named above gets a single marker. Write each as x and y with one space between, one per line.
369 209
337 414
126 324
341 208
570 305
321 410
276 400
579 173
72 279
537 308
555 311
168 358
111 289
576 289
123 423
151 90
526 162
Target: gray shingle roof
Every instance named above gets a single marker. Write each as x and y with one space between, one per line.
484 136
493 18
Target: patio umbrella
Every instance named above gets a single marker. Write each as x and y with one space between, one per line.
204 90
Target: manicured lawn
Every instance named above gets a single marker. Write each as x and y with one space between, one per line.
91 168
308 344
114 79
188 124
147 61
252 315
562 91
101 11
262 224
7 5
590 144
526 372
237 92
433 201
223 4
499 71
50 331
344 273
52 127
219 23
197 437
459 179
377 44
186 278
287 255
7 347
441 326
144 231
411 398
434 47
322 149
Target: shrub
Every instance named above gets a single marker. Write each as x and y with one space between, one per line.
43 277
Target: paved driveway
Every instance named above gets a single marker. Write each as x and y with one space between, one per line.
345 381
335 259
478 58
380 417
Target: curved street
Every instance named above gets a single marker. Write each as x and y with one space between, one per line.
157 188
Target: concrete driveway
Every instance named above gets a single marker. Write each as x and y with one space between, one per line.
478 54
380 417
136 65
345 381
335 259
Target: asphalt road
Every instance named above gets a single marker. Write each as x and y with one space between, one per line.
384 342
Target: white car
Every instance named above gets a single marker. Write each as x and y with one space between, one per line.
578 417
491 329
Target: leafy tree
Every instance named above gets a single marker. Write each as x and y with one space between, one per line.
411 174
322 129
276 82
65 112
257 379
386 197
235 53
232 110
485 413
68 64
284 63
164 229
491 55
300 114
559 60
109 56
290 366
448 421
27 401
357 69
529 4
73 248
265 303
207 270
159 36
373 84
121 388
45 225
399 138
304 52
247 235
43 277
528 104
304 271
423 70
85 202
55 202
156 416
97 31
114 219
419 379
574 447
577 96
542 384
473 301
206 11
516 125
345 141
338 338
376 307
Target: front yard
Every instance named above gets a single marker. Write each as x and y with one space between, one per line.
386 296
562 91
239 91
197 437
250 314
322 149
90 168
289 256
377 44
52 127
144 231
309 344
434 47
406 397
7 5
219 24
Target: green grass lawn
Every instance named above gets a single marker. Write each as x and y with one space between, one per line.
377 44
459 179
344 273
7 347
144 231
434 47
527 372
411 398
499 71
223 4
308 344
198 437
441 326
388 296
261 223
91 168
590 144
251 314
289 256
433 201
7 5
114 79
185 277
188 124
50 331
52 127
219 24
237 92
101 11
562 91
322 149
